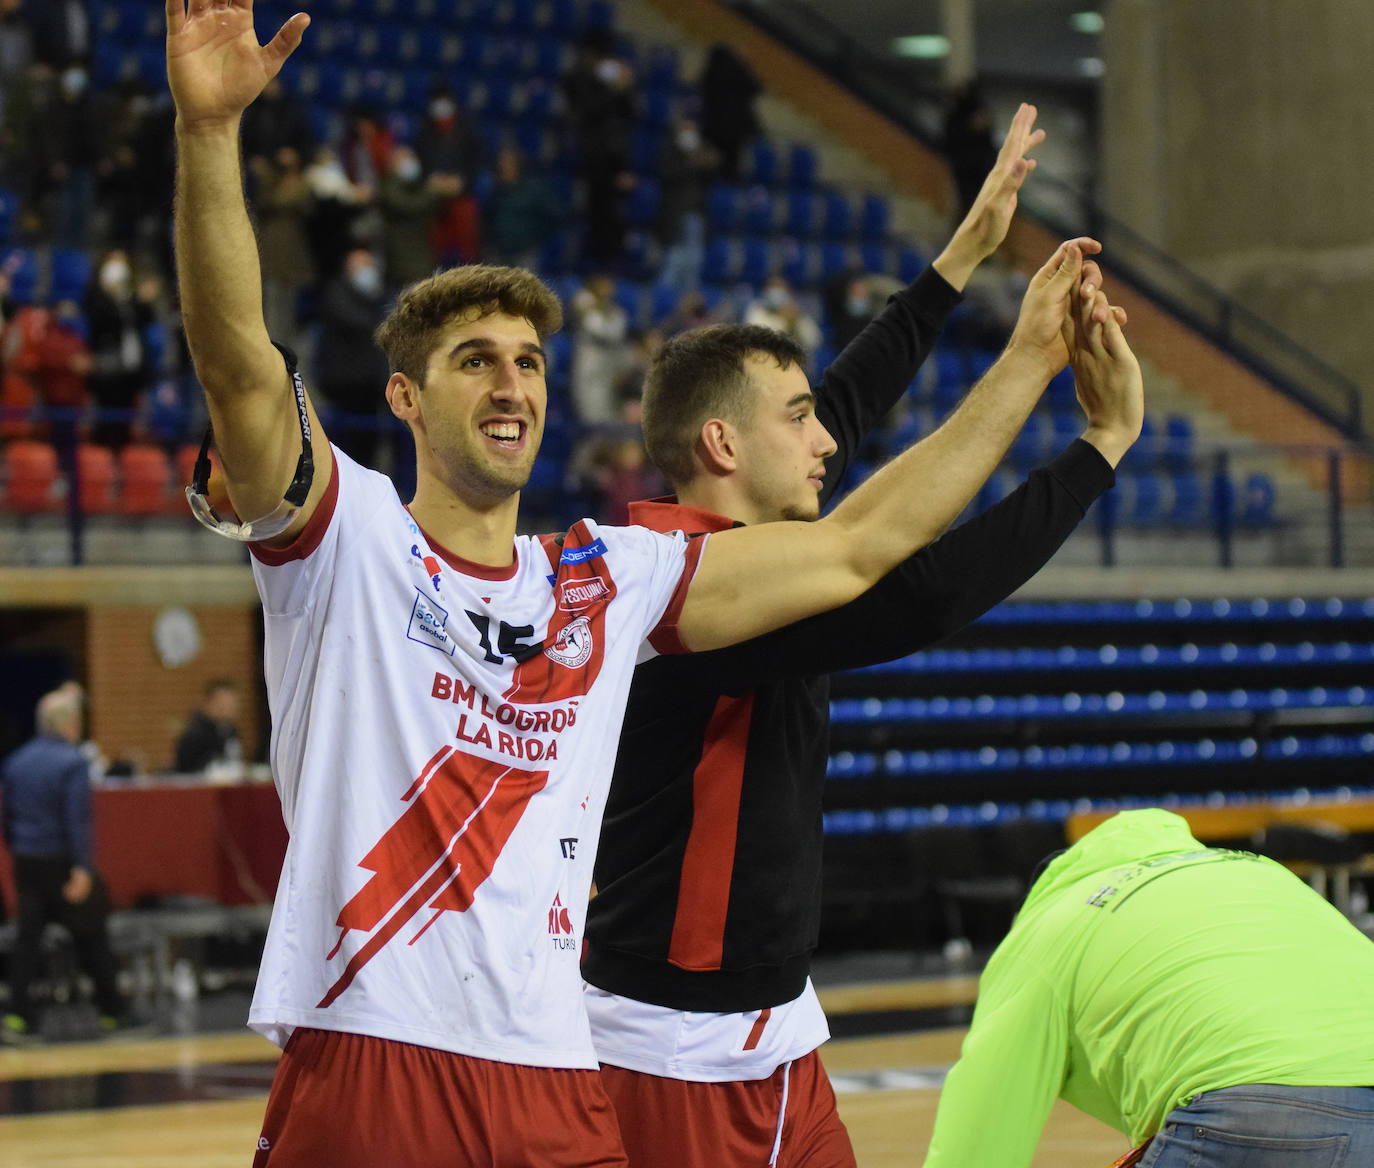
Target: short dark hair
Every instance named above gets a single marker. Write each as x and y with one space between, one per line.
698 375
411 330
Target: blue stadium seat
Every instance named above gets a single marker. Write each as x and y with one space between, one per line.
799 261
757 264
1061 395
724 207
562 16
802 214
598 14
838 220
641 206
1144 454
1185 507
21 266
875 257
1028 447
835 258
1178 443
398 44
875 218
1146 507
763 163
9 212
910 264
759 212
1257 501
801 167
69 274
111 64
722 261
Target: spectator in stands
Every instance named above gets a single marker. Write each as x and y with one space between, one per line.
968 143
119 312
686 164
16 46
410 203
135 174
64 361
521 213
849 304
690 312
284 203
349 366
211 734
45 814
728 88
336 206
62 33
450 150
601 95
601 350
276 121
1204 1001
777 309
71 141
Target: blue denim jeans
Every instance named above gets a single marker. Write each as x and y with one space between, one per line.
1267 1126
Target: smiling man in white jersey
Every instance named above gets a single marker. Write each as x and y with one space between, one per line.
446 695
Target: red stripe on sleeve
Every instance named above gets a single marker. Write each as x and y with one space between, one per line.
703 897
665 638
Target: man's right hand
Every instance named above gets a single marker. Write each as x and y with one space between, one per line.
1044 331
215 66
1106 377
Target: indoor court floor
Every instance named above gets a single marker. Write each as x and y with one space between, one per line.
196 1100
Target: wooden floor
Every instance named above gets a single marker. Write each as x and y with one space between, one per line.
886 1084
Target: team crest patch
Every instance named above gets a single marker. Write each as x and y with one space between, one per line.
575 595
573 646
427 621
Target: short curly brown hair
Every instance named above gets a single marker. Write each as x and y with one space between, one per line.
411 330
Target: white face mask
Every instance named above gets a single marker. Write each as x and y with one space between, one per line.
609 70
114 276
441 108
775 298
74 82
688 139
408 169
367 279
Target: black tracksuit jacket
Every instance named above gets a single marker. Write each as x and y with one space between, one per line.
709 870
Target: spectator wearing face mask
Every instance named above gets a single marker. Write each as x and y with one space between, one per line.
283 206
778 309
350 367
119 314
450 149
71 140
686 164
336 204
410 202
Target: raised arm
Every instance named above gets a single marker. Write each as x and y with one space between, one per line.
215 69
985 226
874 370
754 579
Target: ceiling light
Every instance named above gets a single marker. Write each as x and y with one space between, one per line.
926 48
1088 22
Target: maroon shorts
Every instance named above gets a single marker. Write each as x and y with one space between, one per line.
351 1101
669 1123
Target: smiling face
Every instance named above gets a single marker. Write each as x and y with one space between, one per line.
781 447
479 417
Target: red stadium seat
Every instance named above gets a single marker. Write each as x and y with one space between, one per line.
145 476
95 472
31 477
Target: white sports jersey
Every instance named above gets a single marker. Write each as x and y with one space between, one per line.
442 740
700 1047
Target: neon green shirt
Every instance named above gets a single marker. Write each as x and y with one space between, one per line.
1142 970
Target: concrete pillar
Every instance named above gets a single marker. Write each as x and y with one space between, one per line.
1236 138
956 23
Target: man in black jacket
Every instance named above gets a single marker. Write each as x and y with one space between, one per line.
708 874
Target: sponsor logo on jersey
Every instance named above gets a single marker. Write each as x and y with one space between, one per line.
573 645
430 562
427 625
575 595
561 926
580 555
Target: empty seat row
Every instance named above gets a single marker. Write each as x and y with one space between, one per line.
946 710
138 480
803 212
802 263
1134 657
1095 756
1182 611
